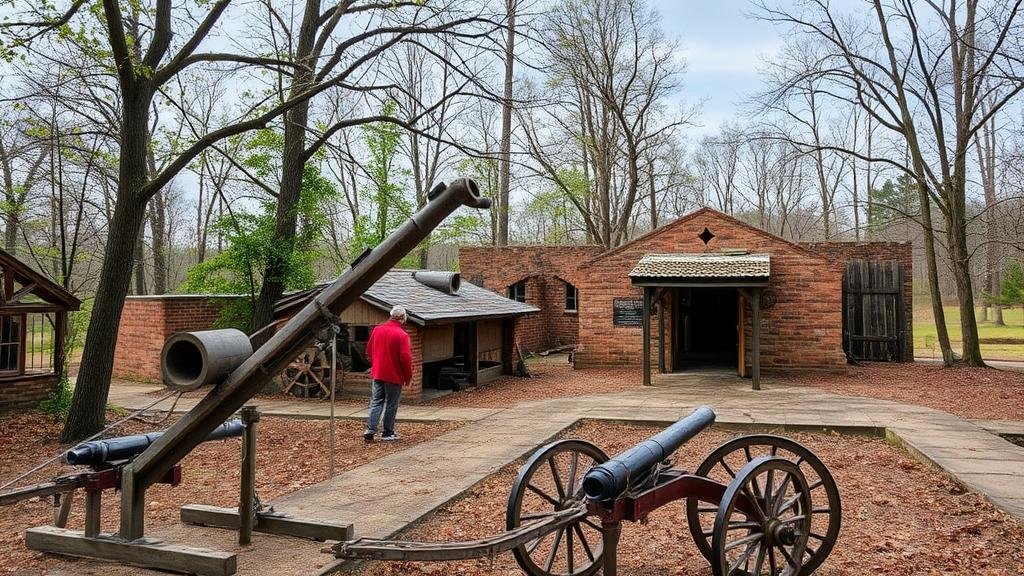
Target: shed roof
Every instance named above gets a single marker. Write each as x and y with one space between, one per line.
33 282
424 305
706 265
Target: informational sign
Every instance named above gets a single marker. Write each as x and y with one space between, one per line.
627 312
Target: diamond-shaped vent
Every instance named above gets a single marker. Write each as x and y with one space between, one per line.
706 236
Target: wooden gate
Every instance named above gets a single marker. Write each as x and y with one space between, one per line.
874 315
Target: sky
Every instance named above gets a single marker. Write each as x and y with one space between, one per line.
723 47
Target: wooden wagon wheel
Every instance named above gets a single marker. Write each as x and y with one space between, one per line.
770 538
308 376
725 461
549 482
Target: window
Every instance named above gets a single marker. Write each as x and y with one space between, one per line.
10 343
517 291
572 297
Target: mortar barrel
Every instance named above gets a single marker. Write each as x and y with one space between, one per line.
100 452
191 360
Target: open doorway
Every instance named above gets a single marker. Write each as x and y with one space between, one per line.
705 322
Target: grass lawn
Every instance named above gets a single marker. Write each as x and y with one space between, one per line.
926 342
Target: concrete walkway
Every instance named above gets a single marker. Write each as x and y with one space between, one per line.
432 473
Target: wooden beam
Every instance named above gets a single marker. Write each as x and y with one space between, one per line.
647 337
474 354
661 330
742 334
270 523
21 293
149 554
755 348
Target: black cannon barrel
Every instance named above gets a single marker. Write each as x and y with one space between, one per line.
609 480
126 447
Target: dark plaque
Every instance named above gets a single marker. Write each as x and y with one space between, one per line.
627 312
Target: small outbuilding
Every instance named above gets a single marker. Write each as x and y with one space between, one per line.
33 323
708 291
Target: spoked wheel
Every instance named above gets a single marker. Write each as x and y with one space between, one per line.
551 481
724 462
309 375
770 536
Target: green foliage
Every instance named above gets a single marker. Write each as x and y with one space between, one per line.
58 402
251 244
890 202
387 198
1013 284
552 212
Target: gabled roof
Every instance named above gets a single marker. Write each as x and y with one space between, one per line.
709 265
700 212
41 286
425 305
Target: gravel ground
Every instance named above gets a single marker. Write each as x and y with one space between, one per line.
290 454
900 517
973 393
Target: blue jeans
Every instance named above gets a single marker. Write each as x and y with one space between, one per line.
383 396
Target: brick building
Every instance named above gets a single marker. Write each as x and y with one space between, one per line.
695 289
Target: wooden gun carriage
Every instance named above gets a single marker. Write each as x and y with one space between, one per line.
777 515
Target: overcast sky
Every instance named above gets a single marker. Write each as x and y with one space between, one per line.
723 47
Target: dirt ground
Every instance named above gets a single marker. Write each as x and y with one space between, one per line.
900 517
290 454
973 393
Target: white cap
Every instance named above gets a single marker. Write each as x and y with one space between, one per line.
398 313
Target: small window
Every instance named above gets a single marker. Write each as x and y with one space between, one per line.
10 343
517 291
572 297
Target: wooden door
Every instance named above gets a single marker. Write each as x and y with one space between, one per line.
874 317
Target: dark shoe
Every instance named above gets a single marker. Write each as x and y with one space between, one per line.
368 436
390 437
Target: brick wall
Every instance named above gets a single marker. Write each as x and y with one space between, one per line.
903 252
801 329
147 322
26 392
546 269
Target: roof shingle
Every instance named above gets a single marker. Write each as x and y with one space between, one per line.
702 266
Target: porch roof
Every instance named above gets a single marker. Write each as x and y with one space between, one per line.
701 268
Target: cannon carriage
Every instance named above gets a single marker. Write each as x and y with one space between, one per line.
759 504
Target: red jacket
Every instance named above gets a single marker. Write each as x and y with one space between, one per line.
390 353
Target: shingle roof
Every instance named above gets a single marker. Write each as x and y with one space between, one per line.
702 266
423 303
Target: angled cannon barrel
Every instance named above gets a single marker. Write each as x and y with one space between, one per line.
191 360
282 347
610 479
100 452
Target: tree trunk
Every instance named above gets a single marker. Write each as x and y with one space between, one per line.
960 264
504 159
139 257
158 227
933 277
88 405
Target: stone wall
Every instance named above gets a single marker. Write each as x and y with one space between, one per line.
147 322
546 270
801 329
903 252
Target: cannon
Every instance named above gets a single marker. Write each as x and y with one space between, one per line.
759 504
105 452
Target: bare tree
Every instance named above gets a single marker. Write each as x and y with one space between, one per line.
924 77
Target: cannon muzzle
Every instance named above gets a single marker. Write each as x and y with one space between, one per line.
100 452
609 480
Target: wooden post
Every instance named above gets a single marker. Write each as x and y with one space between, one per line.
610 533
334 385
93 506
647 337
755 348
661 331
133 505
474 354
62 508
59 331
741 329
246 502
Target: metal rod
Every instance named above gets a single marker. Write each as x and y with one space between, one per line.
334 384
297 334
247 497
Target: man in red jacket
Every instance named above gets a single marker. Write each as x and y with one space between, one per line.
391 368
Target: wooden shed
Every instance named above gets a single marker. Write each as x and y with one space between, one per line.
461 334
33 323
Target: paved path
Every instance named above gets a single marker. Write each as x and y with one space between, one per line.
436 471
